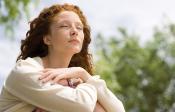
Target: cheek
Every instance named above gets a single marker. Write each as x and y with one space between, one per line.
82 37
59 37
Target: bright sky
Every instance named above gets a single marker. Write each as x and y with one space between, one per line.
104 16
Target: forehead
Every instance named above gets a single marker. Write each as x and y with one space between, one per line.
67 16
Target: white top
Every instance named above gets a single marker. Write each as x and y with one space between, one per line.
22 92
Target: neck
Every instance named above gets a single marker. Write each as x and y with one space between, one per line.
61 60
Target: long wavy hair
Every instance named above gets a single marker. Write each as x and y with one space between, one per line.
33 45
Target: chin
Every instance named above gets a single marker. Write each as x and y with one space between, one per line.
75 52
76 49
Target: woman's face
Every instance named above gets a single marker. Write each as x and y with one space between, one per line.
66 33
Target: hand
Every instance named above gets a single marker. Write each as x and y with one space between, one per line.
63 82
37 109
64 73
67 73
99 108
74 82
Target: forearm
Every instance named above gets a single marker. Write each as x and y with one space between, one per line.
106 98
81 98
99 108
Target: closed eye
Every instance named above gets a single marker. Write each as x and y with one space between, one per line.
64 26
79 28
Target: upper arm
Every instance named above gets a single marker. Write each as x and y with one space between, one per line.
23 83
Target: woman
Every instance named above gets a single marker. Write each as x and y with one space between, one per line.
54 70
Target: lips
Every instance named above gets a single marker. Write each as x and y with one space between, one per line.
74 41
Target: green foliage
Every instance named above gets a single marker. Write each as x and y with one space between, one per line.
143 77
11 12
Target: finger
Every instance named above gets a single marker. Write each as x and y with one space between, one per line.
41 110
80 80
74 80
44 75
34 110
49 77
77 82
37 110
58 78
62 82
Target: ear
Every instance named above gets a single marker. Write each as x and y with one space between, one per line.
47 40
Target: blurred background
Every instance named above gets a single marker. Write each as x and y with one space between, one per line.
133 46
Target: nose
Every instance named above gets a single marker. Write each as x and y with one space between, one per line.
73 31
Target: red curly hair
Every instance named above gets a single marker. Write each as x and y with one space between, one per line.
34 45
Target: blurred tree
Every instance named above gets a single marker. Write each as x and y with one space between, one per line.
142 76
11 12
